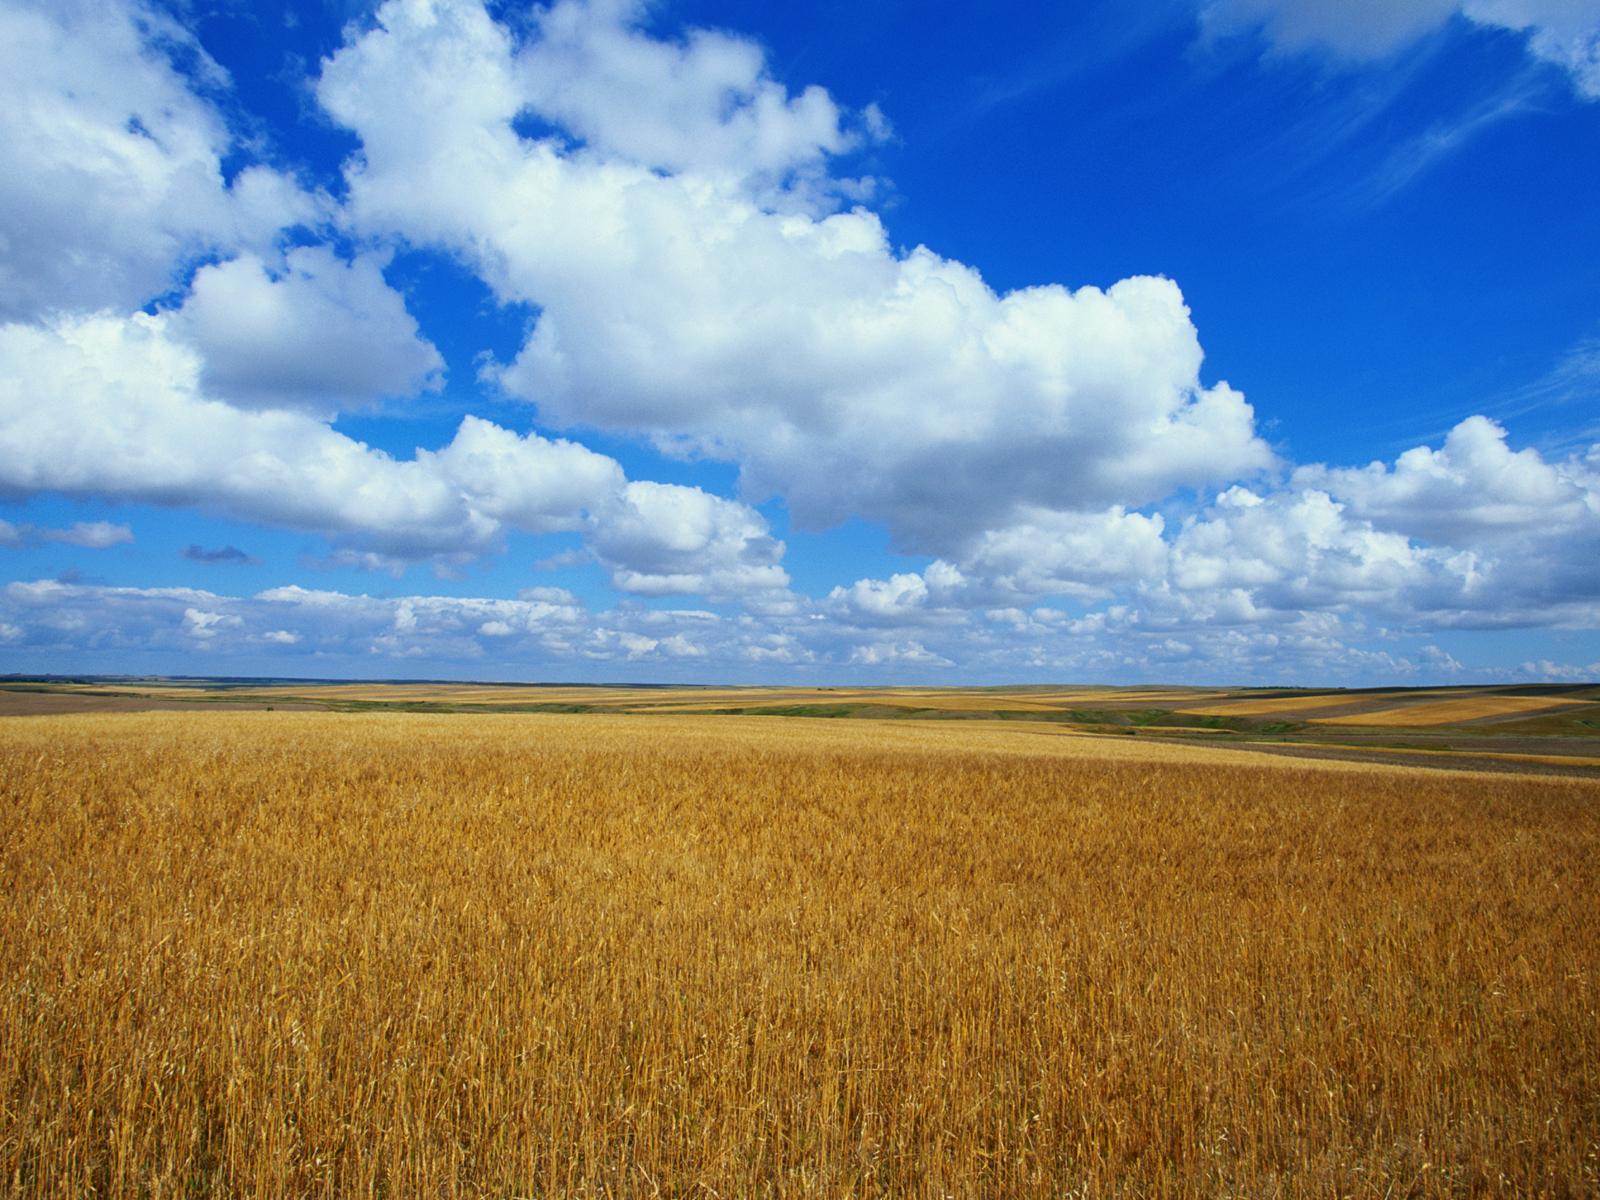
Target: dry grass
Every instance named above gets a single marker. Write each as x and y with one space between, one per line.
419 956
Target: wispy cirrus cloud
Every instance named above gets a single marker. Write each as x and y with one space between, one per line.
1420 153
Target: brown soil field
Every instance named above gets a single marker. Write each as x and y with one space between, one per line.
376 954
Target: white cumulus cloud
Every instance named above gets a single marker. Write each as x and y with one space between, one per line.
659 539
316 332
1472 487
1563 32
113 173
117 407
705 103
839 373
90 535
678 223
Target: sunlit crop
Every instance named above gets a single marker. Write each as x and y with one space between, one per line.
282 954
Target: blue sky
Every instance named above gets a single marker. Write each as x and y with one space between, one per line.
1230 341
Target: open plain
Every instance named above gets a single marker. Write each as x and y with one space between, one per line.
1540 727
637 954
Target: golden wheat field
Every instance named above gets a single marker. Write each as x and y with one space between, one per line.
313 954
1451 711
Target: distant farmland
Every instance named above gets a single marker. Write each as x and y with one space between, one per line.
1523 728
636 954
